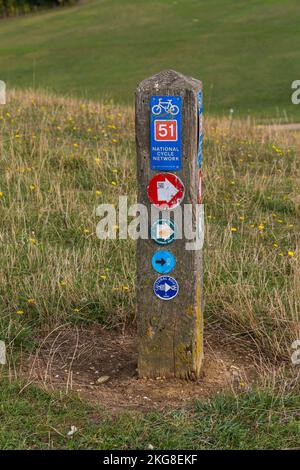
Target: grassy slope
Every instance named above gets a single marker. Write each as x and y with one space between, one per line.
245 52
59 159
256 420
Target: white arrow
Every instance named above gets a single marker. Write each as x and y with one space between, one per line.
167 287
164 231
165 190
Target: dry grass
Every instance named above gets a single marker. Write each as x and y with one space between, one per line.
60 158
253 233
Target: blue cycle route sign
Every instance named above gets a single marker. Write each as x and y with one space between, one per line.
163 261
165 287
165 133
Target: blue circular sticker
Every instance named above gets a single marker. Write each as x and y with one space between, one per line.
165 287
163 261
163 231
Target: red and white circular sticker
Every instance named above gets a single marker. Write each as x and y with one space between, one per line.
165 191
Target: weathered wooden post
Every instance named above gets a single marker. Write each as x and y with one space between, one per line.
169 142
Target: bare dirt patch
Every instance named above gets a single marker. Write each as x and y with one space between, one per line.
100 365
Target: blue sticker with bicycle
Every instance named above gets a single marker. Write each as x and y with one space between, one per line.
200 131
165 133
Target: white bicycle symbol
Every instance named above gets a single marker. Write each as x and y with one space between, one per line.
167 106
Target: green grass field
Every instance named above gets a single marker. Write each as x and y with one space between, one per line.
245 52
60 158
35 419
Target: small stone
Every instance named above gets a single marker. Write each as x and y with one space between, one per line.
72 431
102 379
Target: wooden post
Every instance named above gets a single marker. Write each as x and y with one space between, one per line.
170 332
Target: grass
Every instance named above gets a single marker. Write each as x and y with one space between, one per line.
34 419
245 54
60 158
61 170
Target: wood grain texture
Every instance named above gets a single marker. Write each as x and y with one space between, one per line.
170 332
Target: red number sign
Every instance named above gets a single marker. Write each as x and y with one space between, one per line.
165 130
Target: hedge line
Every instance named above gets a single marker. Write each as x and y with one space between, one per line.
17 7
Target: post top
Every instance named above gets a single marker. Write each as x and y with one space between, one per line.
169 78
